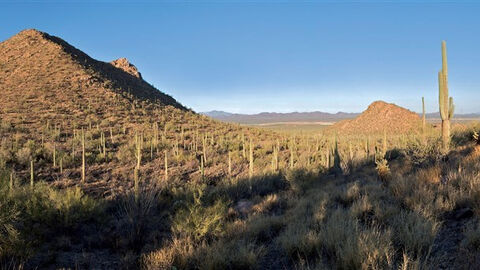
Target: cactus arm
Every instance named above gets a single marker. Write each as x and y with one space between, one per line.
451 108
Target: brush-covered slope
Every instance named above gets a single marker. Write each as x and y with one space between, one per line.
41 74
51 91
378 117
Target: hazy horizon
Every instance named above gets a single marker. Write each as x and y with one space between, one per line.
278 57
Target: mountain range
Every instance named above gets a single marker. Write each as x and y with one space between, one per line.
316 116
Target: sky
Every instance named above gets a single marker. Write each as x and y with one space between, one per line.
257 56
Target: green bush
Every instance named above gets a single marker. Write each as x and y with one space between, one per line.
9 214
199 221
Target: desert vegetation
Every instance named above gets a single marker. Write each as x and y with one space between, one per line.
99 172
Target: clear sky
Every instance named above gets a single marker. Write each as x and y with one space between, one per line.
284 56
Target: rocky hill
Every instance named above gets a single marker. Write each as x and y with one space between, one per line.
41 74
51 91
378 117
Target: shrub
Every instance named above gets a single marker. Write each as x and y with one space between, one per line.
424 154
9 214
231 255
414 233
351 247
198 221
383 170
24 155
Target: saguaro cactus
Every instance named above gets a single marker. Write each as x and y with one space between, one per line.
54 155
445 102
135 183
251 160
423 115
229 163
336 158
166 165
11 181
83 156
31 173
138 148
384 142
202 167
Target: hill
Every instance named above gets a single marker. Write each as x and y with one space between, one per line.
380 116
50 91
272 117
42 74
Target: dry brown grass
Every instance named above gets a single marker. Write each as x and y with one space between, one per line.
431 175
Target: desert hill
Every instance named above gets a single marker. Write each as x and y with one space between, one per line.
51 91
380 116
40 71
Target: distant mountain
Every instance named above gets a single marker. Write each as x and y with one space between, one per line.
272 117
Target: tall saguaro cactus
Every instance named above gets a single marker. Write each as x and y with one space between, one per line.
445 102
423 116
250 167
83 156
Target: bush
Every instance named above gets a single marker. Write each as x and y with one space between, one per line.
9 214
424 154
199 221
24 155
414 233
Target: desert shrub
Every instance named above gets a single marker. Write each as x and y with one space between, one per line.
259 229
199 221
383 170
414 232
301 179
347 194
72 207
463 136
300 238
9 215
59 209
361 207
5 156
246 188
6 126
179 253
126 154
298 241
431 174
231 255
349 246
30 216
424 154
135 218
24 155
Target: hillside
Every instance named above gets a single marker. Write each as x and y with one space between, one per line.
51 91
42 74
272 117
380 116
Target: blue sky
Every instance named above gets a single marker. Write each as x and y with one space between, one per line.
250 57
